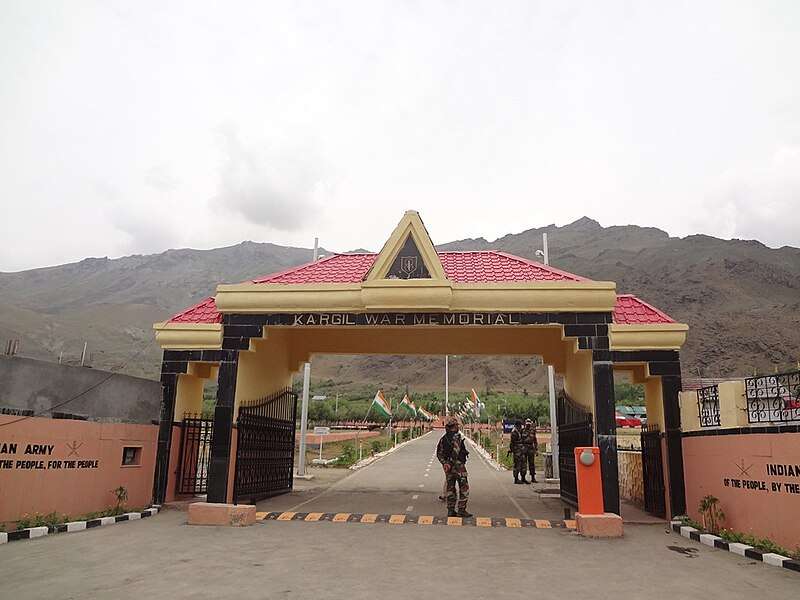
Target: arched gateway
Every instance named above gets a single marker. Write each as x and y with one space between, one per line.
408 299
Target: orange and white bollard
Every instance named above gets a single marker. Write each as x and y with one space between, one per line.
591 518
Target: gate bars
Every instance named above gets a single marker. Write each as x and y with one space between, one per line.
196 434
653 471
574 430
265 447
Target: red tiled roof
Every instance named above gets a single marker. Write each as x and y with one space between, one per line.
460 267
203 312
631 310
337 268
495 267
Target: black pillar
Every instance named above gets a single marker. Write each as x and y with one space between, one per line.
172 364
670 386
223 426
606 427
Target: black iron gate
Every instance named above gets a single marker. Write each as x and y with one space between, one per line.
265 447
574 430
196 434
653 471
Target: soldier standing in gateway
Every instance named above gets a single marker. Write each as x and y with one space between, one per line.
530 449
452 453
517 449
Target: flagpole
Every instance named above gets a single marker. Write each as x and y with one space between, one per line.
368 411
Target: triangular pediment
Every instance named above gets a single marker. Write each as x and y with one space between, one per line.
408 253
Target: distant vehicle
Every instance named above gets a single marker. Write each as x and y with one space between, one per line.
627 421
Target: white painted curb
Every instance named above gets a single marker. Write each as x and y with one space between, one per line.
487 456
738 548
718 543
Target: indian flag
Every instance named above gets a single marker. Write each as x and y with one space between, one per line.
406 401
381 405
476 402
425 414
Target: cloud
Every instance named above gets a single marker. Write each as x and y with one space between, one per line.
146 232
762 202
141 221
161 178
268 188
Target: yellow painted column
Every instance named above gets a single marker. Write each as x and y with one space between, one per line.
732 404
654 403
264 369
690 419
189 398
578 378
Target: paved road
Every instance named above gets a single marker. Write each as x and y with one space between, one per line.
162 557
409 480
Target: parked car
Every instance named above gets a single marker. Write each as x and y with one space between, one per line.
627 421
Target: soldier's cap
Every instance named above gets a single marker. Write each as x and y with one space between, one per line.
451 422
518 422
528 422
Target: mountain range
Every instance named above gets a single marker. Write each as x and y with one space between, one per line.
740 298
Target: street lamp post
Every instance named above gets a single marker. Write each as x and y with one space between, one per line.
551 383
301 460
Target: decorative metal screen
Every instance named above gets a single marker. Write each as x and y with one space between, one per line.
773 398
653 471
196 434
265 447
708 406
574 430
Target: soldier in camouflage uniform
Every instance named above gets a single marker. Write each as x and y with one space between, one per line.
517 449
452 453
531 449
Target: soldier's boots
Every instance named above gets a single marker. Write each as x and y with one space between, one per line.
452 513
525 481
464 514
516 478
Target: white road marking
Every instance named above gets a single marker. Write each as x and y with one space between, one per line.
521 510
426 474
415 496
421 485
409 508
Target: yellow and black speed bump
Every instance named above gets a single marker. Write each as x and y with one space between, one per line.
420 520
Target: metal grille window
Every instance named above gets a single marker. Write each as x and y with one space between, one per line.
773 398
708 406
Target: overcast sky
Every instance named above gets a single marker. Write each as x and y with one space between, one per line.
133 127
